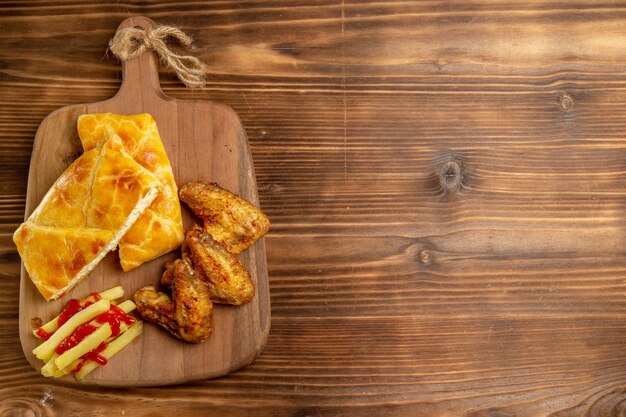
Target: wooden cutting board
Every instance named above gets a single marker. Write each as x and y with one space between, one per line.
204 141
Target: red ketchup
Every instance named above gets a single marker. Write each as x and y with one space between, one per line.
94 355
75 338
78 367
42 334
71 308
74 306
115 317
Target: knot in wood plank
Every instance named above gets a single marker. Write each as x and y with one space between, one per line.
566 102
450 176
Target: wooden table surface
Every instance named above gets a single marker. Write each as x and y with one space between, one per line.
446 186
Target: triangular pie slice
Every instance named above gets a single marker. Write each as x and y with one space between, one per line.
56 258
96 199
160 229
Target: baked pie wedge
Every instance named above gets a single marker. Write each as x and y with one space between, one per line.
160 229
83 216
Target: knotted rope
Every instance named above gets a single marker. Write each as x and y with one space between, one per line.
130 42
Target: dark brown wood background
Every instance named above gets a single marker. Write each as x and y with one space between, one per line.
446 185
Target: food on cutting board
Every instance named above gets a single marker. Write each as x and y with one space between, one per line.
228 278
86 334
122 191
188 314
228 218
83 216
209 270
44 332
160 228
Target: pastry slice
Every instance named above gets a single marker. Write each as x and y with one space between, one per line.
160 229
83 216
56 258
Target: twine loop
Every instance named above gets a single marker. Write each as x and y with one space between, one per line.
131 42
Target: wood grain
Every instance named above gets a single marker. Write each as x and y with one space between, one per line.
445 185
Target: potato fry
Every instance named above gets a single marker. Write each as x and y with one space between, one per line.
127 306
88 344
50 368
113 348
72 360
45 350
68 369
113 293
49 327
110 294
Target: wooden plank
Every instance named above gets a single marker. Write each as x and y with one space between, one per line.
391 294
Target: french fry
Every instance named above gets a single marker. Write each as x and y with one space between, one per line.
50 368
113 293
88 344
68 369
113 348
110 294
127 306
45 350
72 361
49 327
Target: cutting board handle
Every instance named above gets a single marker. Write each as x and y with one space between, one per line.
140 76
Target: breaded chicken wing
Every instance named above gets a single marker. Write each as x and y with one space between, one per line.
209 270
228 218
229 281
168 276
188 315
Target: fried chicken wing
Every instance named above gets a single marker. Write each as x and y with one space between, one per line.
168 276
188 314
229 281
209 270
228 218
